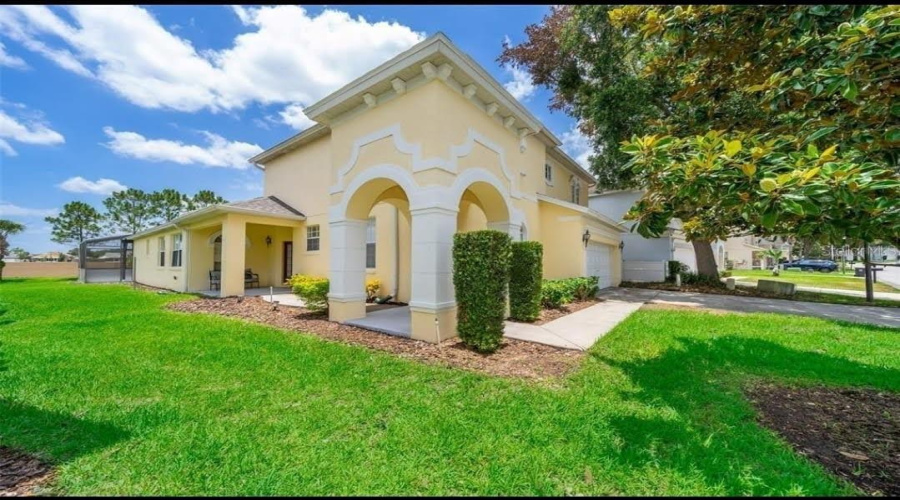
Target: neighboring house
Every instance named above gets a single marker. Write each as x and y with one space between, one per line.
644 259
423 146
748 252
50 257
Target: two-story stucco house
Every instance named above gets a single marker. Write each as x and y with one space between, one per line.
421 147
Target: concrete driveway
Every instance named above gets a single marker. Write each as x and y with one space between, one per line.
882 316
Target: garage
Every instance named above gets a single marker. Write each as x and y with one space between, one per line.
599 263
684 253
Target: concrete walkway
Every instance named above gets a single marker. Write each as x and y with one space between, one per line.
881 316
578 330
851 293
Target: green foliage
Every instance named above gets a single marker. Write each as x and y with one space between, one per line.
762 185
481 261
7 228
557 293
167 204
691 278
526 270
129 211
203 199
77 222
313 290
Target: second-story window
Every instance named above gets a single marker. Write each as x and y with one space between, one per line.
370 244
576 191
312 238
548 173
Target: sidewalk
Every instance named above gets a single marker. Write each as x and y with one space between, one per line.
852 293
578 330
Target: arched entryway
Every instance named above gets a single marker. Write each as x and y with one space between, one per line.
372 241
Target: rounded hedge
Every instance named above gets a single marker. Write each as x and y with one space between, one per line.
525 273
480 277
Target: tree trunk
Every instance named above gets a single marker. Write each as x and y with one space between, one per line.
870 293
706 260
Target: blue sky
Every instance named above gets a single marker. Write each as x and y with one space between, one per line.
96 99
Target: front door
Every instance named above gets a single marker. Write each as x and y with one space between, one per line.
288 260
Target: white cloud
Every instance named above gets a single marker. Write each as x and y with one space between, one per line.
218 152
8 209
286 55
294 116
9 60
100 186
577 145
29 129
520 86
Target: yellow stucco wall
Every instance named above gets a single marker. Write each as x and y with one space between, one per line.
146 263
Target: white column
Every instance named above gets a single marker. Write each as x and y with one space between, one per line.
347 269
432 258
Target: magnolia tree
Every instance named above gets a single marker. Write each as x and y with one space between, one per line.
767 186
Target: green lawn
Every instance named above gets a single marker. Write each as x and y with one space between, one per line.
130 399
833 280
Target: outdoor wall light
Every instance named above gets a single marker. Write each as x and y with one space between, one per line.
621 245
586 237
268 240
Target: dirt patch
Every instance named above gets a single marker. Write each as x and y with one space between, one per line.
853 433
40 270
515 358
21 474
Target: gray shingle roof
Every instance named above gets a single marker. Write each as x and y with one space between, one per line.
269 205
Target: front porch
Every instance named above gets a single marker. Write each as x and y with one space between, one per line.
236 254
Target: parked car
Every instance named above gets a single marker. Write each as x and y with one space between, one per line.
823 265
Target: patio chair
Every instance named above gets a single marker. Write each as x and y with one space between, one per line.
215 280
250 279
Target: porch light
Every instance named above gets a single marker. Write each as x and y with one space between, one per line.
621 245
268 240
586 237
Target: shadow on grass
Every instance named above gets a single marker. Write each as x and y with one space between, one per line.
713 430
53 436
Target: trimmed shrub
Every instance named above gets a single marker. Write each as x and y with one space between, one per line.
557 293
526 269
676 267
312 289
689 278
481 276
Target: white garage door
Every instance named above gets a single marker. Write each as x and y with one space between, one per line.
684 253
599 263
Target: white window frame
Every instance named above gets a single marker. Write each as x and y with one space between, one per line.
161 241
575 191
371 237
548 173
177 250
313 236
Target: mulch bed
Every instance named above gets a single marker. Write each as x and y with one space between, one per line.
548 315
21 474
515 358
853 433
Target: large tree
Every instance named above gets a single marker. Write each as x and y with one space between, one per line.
7 228
203 199
77 222
821 75
129 211
168 204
